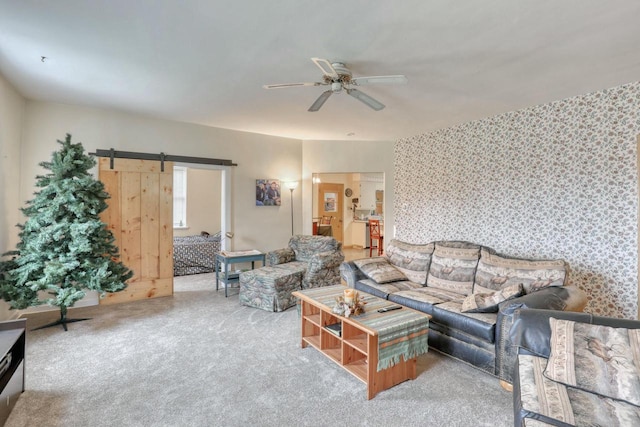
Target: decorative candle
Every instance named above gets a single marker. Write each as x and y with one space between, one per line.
349 295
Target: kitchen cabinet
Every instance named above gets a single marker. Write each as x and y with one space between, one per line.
359 233
368 195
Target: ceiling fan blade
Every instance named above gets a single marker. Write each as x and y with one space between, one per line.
326 67
363 97
320 101
283 85
389 80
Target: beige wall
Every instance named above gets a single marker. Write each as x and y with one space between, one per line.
44 123
104 129
12 106
204 203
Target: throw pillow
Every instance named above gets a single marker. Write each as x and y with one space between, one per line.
453 266
596 358
379 270
496 271
488 302
411 259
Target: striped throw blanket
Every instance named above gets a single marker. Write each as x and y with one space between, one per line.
400 332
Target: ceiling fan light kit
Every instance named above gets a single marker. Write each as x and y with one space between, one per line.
338 77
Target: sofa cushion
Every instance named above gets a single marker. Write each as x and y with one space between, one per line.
488 302
413 260
555 403
379 269
453 266
382 290
496 272
482 325
423 299
292 267
596 358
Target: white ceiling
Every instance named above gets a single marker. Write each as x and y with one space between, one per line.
206 61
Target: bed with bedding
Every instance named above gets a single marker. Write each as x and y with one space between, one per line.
195 254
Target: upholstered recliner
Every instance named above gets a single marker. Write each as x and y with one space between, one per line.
308 262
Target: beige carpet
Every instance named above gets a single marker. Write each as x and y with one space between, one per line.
200 359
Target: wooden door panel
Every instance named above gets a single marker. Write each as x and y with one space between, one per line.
165 226
326 191
140 215
149 232
111 216
130 212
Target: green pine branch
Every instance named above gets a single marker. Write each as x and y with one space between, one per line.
64 248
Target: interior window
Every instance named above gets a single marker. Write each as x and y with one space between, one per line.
179 197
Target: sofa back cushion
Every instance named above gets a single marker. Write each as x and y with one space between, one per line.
453 266
495 272
306 246
412 260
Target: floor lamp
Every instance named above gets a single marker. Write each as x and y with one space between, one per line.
292 186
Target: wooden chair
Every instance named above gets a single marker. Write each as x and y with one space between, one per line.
324 228
326 220
375 234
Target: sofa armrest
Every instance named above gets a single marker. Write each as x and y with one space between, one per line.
531 332
281 256
323 269
561 298
351 274
325 260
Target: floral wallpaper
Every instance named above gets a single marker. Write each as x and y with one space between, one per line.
557 180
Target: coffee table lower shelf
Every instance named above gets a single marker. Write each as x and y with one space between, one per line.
356 349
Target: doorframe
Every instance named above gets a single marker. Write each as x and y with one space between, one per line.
225 200
387 181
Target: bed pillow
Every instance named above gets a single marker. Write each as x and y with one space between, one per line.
488 302
596 358
379 269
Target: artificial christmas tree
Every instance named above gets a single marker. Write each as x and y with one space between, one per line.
64 247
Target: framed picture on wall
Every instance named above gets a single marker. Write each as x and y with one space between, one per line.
268 192
330 202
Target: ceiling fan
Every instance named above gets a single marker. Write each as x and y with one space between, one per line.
338 76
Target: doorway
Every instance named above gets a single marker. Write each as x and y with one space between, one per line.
330 209
362 197
208 201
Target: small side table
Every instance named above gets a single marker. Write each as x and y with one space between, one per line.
233 258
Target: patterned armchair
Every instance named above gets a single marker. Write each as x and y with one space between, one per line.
308 262
317 257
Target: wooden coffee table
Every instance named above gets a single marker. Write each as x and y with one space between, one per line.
380 349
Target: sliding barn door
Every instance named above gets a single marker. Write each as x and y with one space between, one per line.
140 216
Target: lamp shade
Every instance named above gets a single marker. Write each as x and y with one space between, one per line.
292 185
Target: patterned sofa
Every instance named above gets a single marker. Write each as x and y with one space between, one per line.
575 369
308 262
471 292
